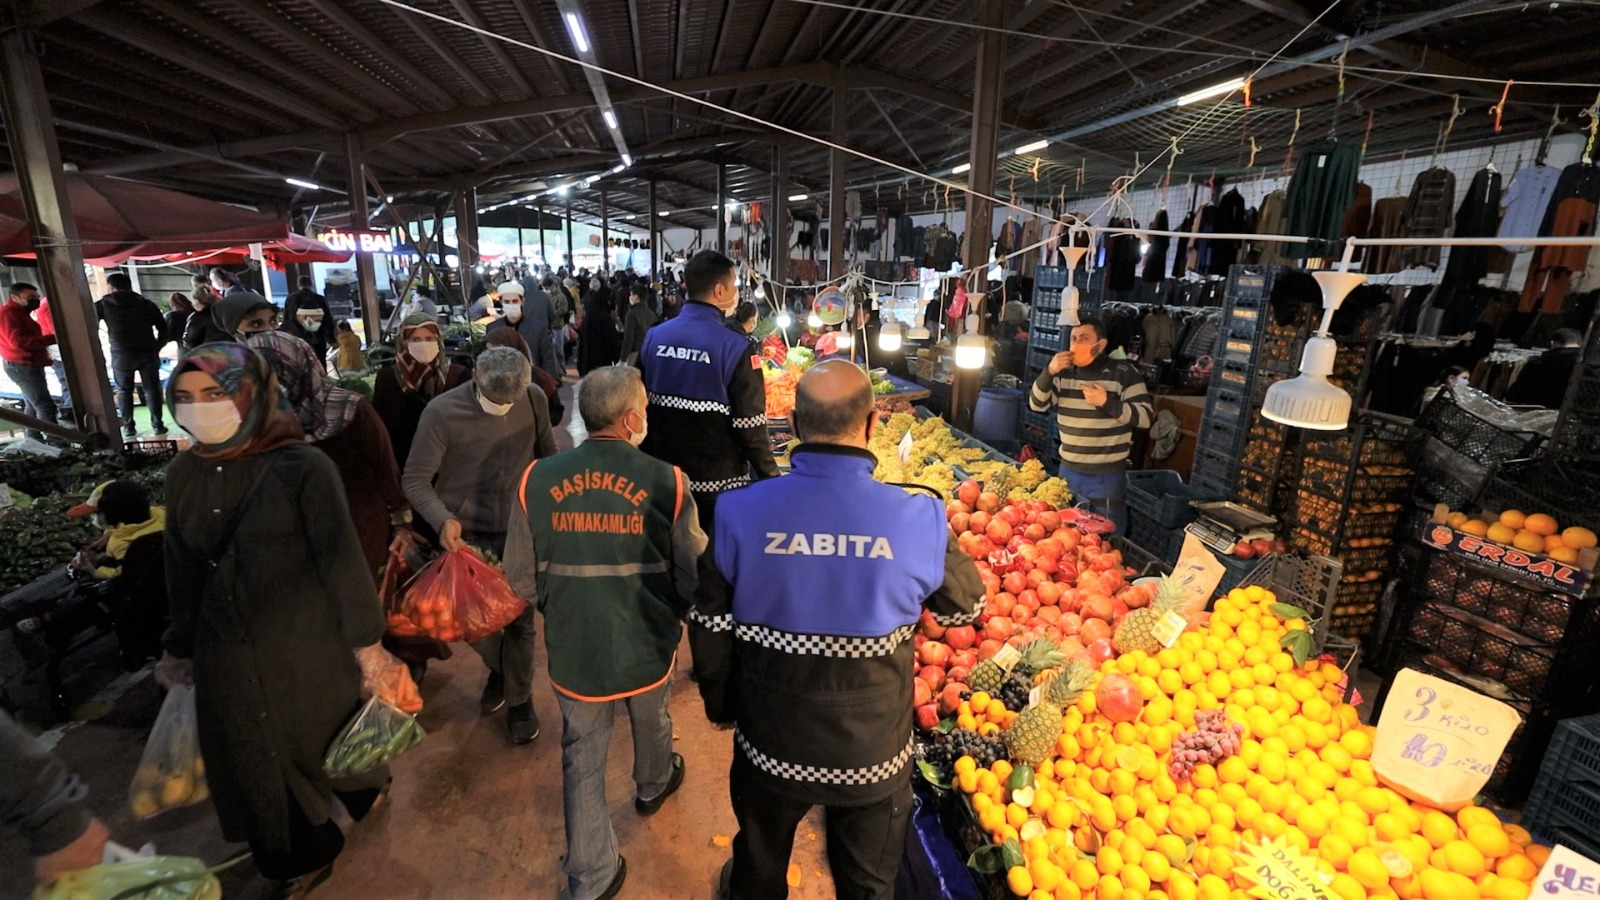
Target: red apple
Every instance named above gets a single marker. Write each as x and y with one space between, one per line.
1243 550
933 653
933 676
921 692
927 717
1118 698
961 637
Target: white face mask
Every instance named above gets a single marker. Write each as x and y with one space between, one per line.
636 438
493 408
513 311
423 351
212 423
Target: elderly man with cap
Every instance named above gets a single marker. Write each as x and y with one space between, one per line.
530 315
471 447
817 684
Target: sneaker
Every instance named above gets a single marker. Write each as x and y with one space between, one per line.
494 694
523 722
130 432
159 431
649 807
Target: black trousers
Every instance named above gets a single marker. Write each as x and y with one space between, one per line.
124 366
311 846
865 843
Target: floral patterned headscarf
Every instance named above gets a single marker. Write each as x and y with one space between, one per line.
418 377
324 409
269 422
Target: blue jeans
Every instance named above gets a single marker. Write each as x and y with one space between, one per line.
585 742
36 399
1106 494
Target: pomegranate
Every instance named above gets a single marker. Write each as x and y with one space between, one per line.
933 653
1097 606
950 697
932 676
967 492
963 659
1050 519
954 507
998 629
1034 532
958 674
1100 650
930 626
998 531
988 648
1014 582
1118 697
1071 622
1010 515
961 637
921 692
988 501
960 522
1001 603
927 717
1093 630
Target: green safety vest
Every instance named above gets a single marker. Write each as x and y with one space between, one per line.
602 517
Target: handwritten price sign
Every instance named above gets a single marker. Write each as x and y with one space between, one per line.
1567 874
1276 870
1438 742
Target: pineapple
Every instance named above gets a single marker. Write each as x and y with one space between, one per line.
987 676
1037 656
990 675
1136 631
1032 738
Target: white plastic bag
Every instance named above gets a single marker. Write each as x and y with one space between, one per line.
171 773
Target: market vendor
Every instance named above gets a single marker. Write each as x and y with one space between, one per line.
1543 381
821 702
708 404
1099 402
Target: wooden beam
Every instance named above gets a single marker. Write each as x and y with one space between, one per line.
43 12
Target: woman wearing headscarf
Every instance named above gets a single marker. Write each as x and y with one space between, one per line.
419 373
599 344
244 313
179 309
202 327
342 424
274 613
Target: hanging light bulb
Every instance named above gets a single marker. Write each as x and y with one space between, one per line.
761 291
814 320
784 319
1069 294
890 337
845 341
1309 400
972 351
918 333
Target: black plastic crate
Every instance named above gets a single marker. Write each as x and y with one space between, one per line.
1045 330
1472 436
1577 433
1568 492
1162 495
1226 406
1213 472
1445 475
1142 561
1574 753
1162 542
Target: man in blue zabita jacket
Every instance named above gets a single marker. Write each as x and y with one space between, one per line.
802 637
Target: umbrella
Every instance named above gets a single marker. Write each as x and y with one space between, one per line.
292 250
118 219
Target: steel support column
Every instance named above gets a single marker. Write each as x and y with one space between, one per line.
836 175
467 242
572 261
605 233
655 232
780 219
722 207
360 217
36 157
981 155
542 260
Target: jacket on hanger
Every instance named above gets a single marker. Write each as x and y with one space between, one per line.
1122 257
1230 217
1525 202
1358 217
1323 185
1032 233
1478 217
1388 221
1550 273
1271 220
1581 179
1155 259
1433 196
1180 263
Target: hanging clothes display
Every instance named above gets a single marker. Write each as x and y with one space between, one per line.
1323 185
1155 259
1032 233
1550 273
1121 257
1358 216
1388 221
1200 248
1180 263
1433 197
1272 220
1525 202
1477 217
1230 217
1581 179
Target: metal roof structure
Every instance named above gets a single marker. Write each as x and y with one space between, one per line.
227 98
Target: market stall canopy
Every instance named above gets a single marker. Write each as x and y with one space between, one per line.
120 219
292 250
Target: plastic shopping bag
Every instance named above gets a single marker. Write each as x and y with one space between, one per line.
459 597
171 773
376 734
152 878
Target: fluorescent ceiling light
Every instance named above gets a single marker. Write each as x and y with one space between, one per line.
627 160
308 185
579 38
610 117
1216 90
1034 147
662 214
796 198
961 168
733 202
389 199
629 217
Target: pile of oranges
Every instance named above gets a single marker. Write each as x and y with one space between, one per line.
1536 533
1104 819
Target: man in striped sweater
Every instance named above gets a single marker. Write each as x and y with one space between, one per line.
1099 402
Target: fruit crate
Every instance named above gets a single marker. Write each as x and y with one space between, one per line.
1568 492
1356 607
1471 435
1045 330
1309 582
1446 475
1576 437
1160 494
1160 541
1574 756
1539 615
1142 561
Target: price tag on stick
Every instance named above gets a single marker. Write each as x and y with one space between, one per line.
1568 874
1438 742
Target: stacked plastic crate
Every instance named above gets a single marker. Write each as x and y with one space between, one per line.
1577 435
1504 634
1234 396
1046 338
1564 805
1349 489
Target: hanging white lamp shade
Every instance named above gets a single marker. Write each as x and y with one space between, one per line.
845 341
889 337
814 320
1069 294
1309 400
784 319
918 333
972 351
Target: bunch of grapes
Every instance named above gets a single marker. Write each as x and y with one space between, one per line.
947 748
1013 695
1214 738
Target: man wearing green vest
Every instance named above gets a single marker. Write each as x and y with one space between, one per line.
605 542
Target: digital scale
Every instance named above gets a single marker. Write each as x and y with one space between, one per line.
1223 524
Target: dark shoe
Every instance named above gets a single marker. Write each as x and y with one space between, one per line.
160 430
419 671
494 694
615 886
524 723
725 881
297 888
130 432
649 807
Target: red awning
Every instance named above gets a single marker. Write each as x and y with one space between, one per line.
118 219
292 250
